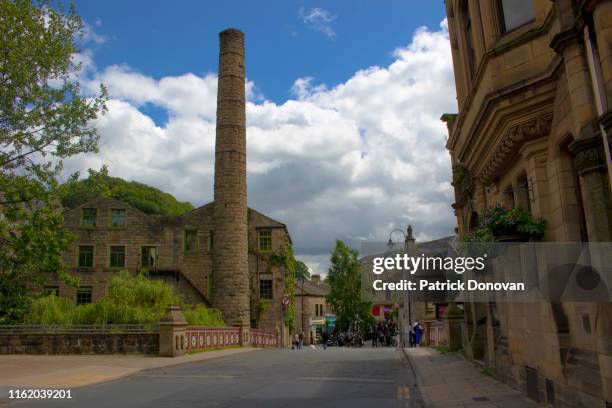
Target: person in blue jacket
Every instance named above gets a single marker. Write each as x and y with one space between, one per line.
418 333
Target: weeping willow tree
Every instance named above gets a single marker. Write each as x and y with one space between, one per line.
129 300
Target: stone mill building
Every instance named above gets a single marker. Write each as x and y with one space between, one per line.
534 95
217 254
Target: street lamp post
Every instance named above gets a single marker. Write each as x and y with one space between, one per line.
302 307
408 239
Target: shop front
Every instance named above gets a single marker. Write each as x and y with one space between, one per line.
317 325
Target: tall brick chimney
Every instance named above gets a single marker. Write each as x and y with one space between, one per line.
230 245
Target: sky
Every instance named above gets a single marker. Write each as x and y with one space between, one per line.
344 138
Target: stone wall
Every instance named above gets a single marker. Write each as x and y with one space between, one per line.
190 273
79 343
190 339
164 233
197 265
140 230
260 267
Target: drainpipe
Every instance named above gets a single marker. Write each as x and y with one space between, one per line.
598 92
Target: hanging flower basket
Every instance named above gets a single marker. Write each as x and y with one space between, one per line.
507 225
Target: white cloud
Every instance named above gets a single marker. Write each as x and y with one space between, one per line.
350 162
317 264
90 34
318 19
302 88
187 95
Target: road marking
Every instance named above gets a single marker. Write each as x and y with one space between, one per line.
346 379
403 392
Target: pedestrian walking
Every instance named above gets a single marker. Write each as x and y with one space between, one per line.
325 339
374 337
301 339
296 341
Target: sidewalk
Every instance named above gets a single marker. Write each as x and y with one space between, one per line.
447 380
67 371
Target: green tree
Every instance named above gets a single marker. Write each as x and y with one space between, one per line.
344 277
141 196
301 271
43 119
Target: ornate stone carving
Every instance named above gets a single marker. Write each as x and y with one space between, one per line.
512 140
588 155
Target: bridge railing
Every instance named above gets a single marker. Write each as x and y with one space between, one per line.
199 338
262 338
203 338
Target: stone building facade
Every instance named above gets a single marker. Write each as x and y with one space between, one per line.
534 83
311 307
110 236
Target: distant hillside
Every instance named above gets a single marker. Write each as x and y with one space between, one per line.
146 198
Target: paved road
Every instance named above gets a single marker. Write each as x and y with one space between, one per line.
336 377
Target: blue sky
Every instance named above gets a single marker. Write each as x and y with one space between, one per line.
171 38
344 135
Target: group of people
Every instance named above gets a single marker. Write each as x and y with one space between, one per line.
416 333
350 338
384 333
